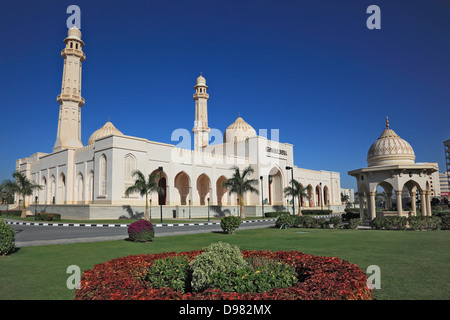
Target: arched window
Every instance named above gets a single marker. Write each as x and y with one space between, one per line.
103 175
130 166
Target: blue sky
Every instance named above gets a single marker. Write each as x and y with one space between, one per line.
311 69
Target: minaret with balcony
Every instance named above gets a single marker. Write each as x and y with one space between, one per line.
70 99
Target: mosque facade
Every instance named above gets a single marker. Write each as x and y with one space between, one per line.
89 181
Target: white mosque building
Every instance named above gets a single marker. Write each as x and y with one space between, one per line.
89 181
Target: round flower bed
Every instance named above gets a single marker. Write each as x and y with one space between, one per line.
320 278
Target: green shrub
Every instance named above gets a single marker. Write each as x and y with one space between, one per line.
11 213
285 220
141 231
217 257
275 214
7 238
353 223
424 223
350 214
48 217
445 220
317 212
336 222
389 223
230 223
171 272
260 278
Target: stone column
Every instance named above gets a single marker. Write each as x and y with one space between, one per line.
423 203
413 203
399 202
372 210
428 200
361 205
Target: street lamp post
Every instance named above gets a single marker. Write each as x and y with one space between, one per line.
150 209
292 186
208 209
262 196
35 208
189 209
320 196
160 191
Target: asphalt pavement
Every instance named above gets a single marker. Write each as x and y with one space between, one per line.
41 233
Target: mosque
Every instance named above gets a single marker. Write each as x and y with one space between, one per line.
89 181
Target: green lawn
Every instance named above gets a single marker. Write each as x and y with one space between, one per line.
414 264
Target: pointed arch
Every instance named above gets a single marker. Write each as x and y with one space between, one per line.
182 183
221 191
203 188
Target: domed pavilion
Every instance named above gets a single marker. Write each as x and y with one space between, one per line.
391 165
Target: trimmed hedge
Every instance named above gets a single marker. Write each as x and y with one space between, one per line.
320 278
230 223
48 217
275 214
317 212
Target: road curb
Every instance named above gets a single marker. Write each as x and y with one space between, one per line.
51 224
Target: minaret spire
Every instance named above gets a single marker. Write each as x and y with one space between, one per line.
201 129
70 99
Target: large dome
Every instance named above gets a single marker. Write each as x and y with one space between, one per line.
107 130
238 131
390 149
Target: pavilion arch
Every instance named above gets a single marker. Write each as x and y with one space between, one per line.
389 190
275 186
203 188
222 194
182 183
162 183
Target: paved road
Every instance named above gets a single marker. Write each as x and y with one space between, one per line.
31 234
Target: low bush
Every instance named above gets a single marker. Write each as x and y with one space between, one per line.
353 223
445 220
285 221
216 257
10 213
230 223
172 272
389 223
7 238
141 231
48 217
348 215
424 223
317 212
275 214
259 279
336 222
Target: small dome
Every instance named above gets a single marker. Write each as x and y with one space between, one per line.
390 149
107 130
74 33
239 131
201 81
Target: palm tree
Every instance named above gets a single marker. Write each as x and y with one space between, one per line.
144 187
240 184
23 186
297 191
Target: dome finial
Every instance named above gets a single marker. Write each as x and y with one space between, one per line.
387 123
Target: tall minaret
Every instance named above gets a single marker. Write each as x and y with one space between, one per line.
201 129
70 100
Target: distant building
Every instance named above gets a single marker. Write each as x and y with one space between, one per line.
447 164
443 182
350 193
